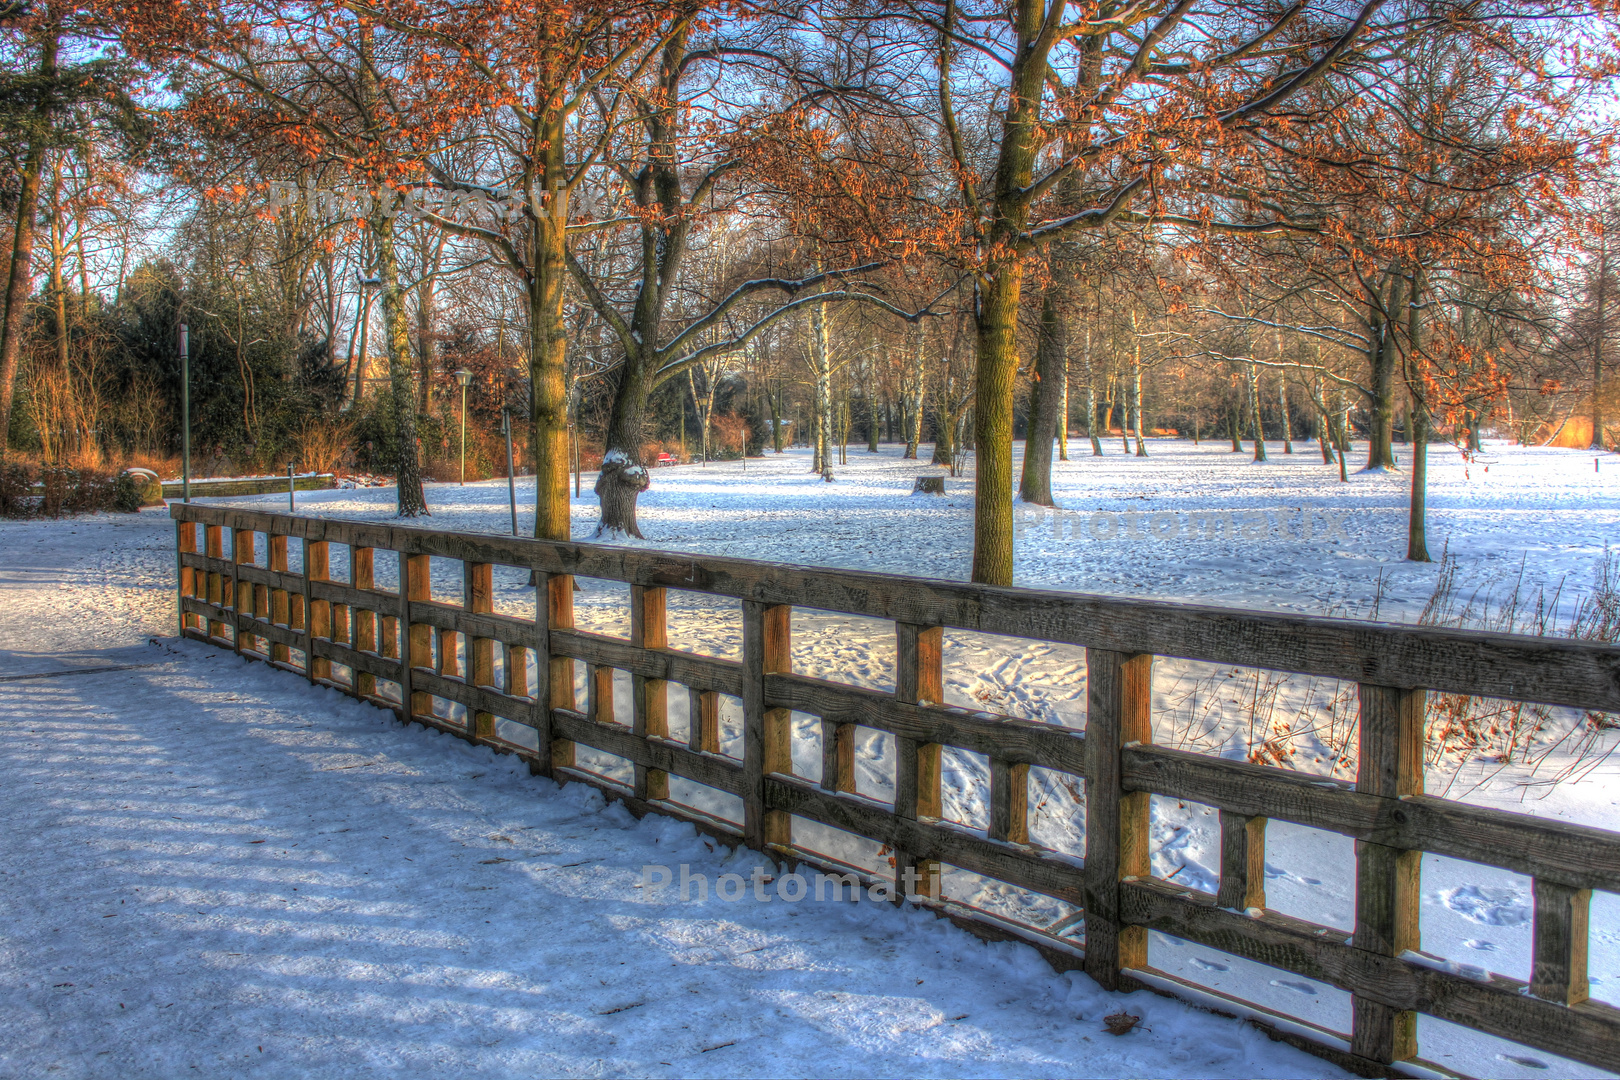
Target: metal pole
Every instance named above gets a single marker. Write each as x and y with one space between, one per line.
463 434
511 483
185 414
292 488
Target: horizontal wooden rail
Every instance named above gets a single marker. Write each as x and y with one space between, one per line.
353 636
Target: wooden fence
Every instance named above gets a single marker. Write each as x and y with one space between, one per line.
350 635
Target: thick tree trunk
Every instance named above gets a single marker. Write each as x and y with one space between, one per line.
19 280
1380 445
624 476
775 402
1254 413
1288 424
821 369
1091 402
1234 424
997 370
1051 348
401 373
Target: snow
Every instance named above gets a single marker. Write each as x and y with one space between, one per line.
354 937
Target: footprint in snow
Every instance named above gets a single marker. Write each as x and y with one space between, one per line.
1209 965
1491 906
1482 946
1295 985
1527 1062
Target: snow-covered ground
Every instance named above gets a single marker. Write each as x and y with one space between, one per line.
293 871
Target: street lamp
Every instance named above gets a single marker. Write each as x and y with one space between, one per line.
185 414
463 377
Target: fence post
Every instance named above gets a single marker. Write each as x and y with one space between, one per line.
767 645
279 608
415 641
1559 930
918 677
241 555
363 620
185 543
1119 710
478 596
1387 879
317 613
1243 862
214 540
553 675
649 697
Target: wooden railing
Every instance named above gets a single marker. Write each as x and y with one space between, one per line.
350 635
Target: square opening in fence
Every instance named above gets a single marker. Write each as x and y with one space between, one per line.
1295 996
602 607
840 846
964 788
1013 676
1057 811
511 594
709 801
339 562
1474 1053
600 763
1184 844
703 624
871 761
445 580
850 649
1311 874
1298 722
1477 918
1012 903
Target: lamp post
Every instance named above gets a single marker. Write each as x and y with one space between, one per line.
463 377
185 414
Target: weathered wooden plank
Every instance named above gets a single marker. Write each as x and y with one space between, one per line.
1388 893
1560 939
361 578
1243 862
1500 1006
554 616
703 720
415 642
1575 855
671 665
317 567
1553 671
1119 696
280 609
1009 801
919 678
649 697
1020 742
185 541
242 542
928 840
478 596
767 646
659 755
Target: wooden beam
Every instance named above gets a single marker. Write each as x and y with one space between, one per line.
767 645
1119 690
317 567
365 618
1387 878
1243 862
649 696
1560 937
919 680
478 597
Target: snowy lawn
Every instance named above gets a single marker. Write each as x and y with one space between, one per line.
207 857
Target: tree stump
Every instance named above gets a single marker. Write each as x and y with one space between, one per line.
929 485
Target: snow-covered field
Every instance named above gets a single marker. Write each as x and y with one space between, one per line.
207 857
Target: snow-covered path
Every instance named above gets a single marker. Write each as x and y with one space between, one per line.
210 868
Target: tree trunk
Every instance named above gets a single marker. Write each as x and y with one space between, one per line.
1599 327
1254 413
1288 425
1045 400
401 373
1091 402
821 370
19 281
775 402
914 404
1063 408
624 476
1136 399
1380 445
1417 549
997 370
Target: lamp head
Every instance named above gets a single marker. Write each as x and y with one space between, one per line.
463 376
